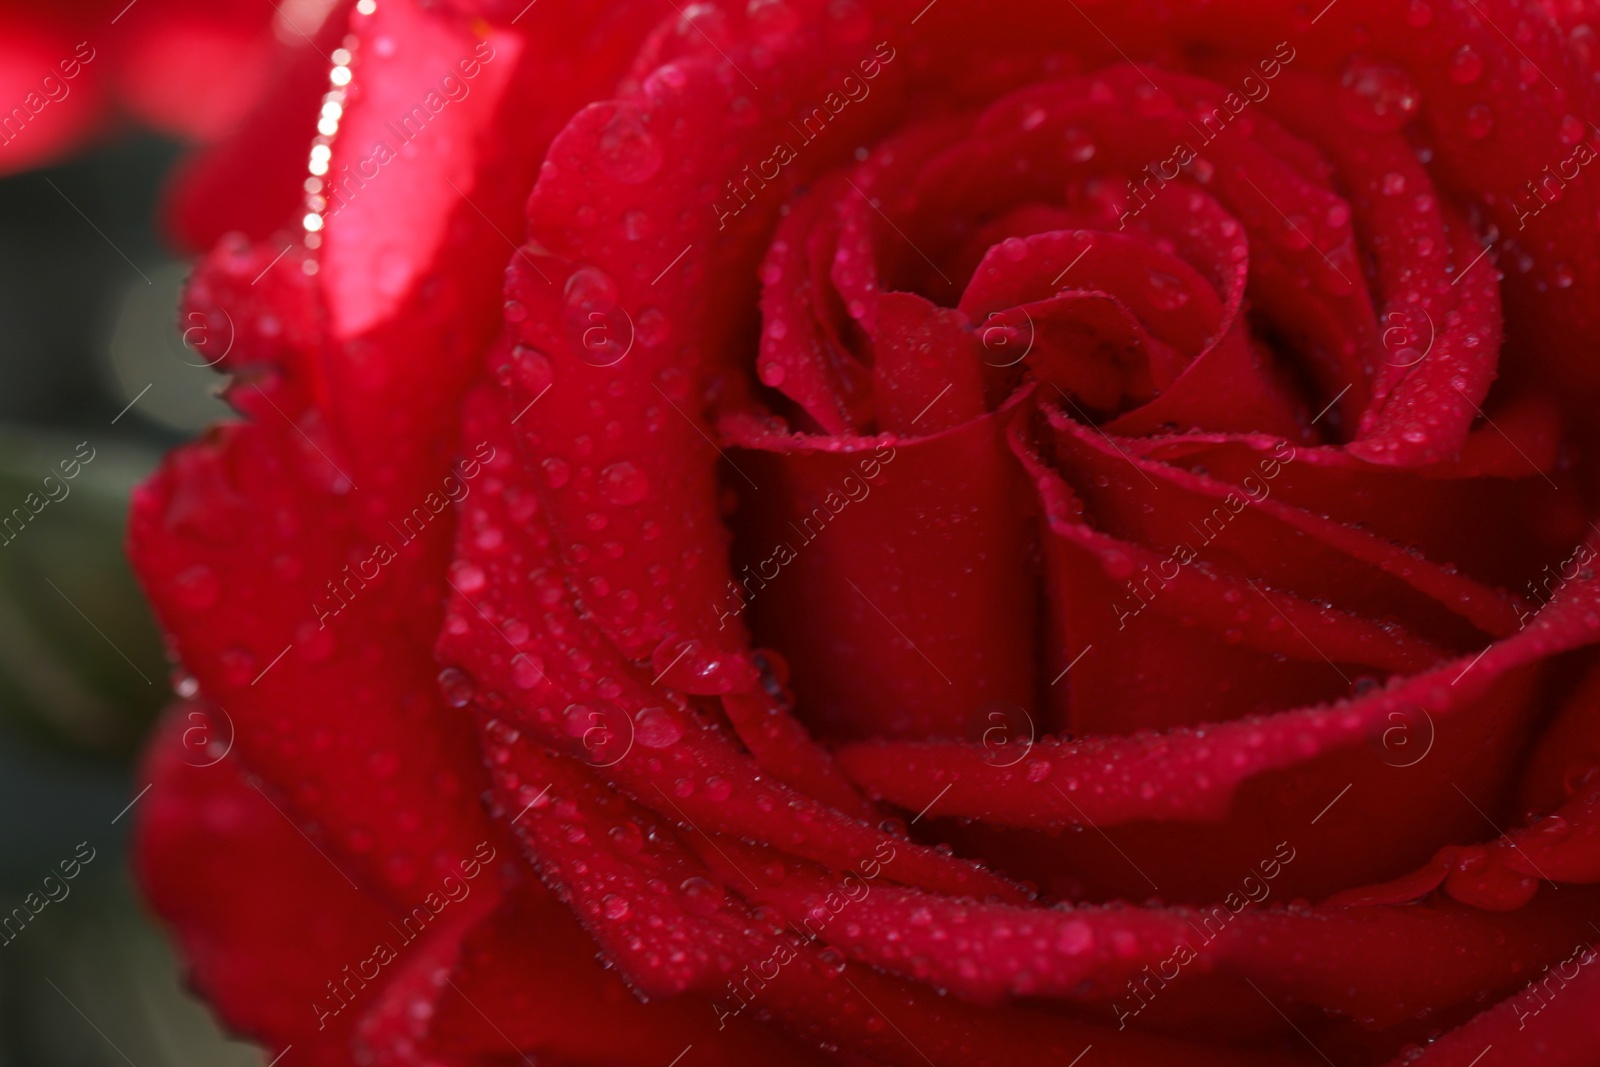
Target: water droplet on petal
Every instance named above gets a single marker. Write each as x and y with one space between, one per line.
532 369
238 665
455 686
557 472
701 895
1168 292
772 19
1074 938
1480 121
652 327
1378 96
1080 146
628 151
525 671
313 641
598 329
197 587
1466 66
627 839
467 576
623 483
656 728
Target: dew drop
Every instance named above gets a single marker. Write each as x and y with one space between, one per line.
238 665
532 369
197 587
628 151
1080 146
313 642
1074 938
455 686
772 20
623 483
599 330
700 895
626 839
525 672
467 576
652 327
655 728
557 472
1479 121
1466 66
1168 292
636 225
1378 96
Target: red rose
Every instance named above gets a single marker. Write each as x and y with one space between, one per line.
961 536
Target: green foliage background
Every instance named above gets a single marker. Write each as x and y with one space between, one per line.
90 982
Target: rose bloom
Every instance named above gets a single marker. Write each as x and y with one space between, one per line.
892 533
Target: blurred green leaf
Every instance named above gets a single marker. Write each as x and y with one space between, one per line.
91 984
80 658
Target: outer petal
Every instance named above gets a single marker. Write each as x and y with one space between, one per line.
352 437
264 921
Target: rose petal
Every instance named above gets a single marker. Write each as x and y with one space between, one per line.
861 603
1380 966
265 923
517 634
356 440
